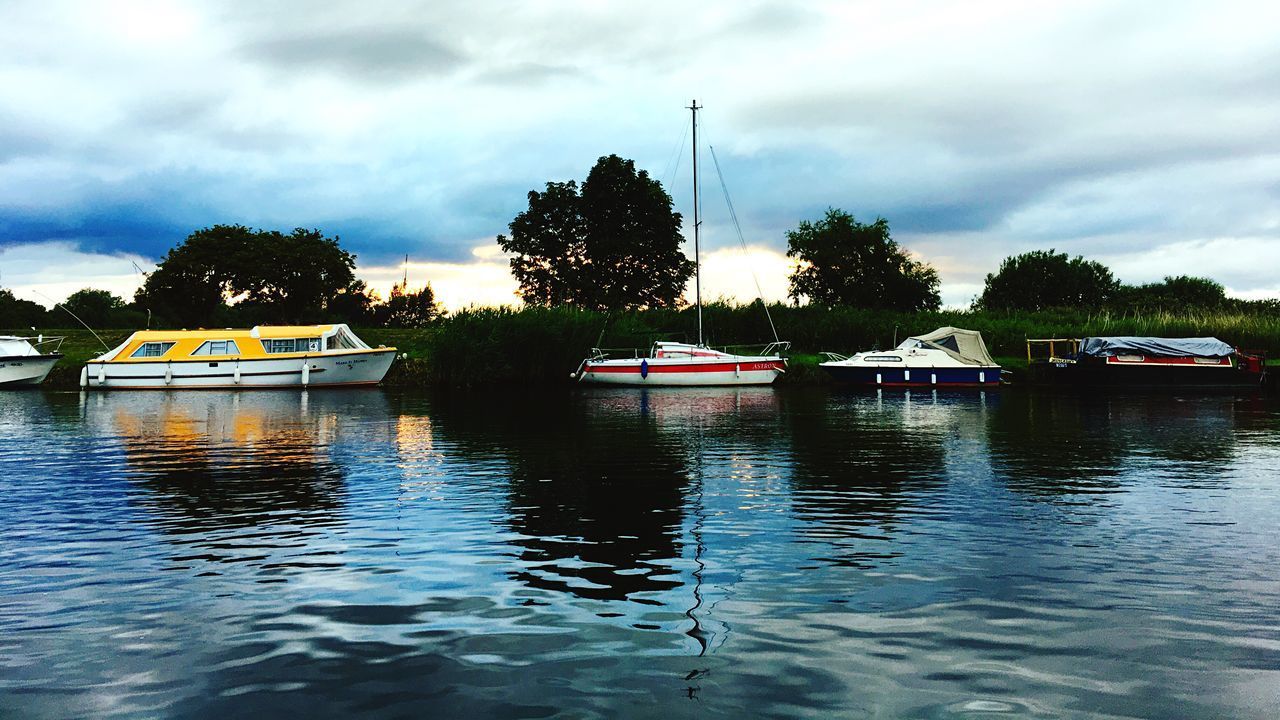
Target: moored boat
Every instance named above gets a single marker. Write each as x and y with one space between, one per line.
24 363
1127 361
683 364
261 357
672 363
946 357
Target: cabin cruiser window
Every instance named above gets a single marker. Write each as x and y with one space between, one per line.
884 358
289 345
152 350
217 347
340 341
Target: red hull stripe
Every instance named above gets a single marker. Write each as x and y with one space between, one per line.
688 368
927 385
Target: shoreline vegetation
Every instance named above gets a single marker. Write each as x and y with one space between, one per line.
537 345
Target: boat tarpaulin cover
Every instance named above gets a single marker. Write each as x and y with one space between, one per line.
964 345
1162 347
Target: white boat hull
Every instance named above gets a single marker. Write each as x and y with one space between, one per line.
322 370
684 372
25 371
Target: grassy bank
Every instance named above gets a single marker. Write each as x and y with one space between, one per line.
543 345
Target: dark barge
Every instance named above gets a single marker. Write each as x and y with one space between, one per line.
1145 362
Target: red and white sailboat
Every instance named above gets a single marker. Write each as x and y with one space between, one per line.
682 364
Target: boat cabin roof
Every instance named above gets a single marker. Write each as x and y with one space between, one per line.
257 342
260 332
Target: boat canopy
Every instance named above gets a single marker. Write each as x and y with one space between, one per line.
965 346
11 346
1207 347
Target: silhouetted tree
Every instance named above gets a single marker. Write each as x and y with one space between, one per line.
95 307
272 277
407 309
16 313
1183 292
615 245
844 262
1041 279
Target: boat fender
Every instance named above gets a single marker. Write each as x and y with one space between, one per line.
933 378
878 380
84 376
235 374
168 375
906 376
306 373
982 376
737 370
102 374
644 369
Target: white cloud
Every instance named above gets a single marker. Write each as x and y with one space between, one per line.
977 130
49 272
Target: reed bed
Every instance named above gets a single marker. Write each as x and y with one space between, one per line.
544 345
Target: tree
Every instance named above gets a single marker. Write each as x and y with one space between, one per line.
1041 279
95 307
408 309
1183 292
273 277
16 313
845 262
614 245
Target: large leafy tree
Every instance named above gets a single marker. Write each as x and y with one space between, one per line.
16 313
615 244
95 307
271 277
845 262
1041 279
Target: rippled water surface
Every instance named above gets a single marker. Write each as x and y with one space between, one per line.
709 553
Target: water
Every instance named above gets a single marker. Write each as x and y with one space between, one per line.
654 554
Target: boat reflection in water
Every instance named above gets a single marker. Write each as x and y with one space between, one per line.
220 461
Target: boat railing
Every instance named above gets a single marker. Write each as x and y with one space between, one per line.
46 344
1051 345
834 356
761 349
615 353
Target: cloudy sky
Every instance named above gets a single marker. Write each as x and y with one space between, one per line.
1144 135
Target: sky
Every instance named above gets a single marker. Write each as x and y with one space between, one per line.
1142 135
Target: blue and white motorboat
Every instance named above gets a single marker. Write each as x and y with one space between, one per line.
946 357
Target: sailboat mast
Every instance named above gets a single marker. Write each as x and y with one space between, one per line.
697 264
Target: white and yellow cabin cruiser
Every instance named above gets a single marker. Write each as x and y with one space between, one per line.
263 357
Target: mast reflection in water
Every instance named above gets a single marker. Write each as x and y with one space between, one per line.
645 553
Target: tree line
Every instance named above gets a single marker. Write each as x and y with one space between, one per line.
616 245
612 242
232 275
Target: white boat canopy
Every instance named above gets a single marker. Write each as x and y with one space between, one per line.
12 346
965 346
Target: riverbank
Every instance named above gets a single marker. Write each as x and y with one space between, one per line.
543 345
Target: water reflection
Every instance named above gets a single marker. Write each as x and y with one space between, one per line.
866 463
210 464
732 553
1071 445
598 504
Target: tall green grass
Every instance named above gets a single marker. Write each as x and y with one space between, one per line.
544 345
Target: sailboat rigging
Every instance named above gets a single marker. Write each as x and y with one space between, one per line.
682 364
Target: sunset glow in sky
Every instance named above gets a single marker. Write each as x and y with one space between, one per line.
1142 135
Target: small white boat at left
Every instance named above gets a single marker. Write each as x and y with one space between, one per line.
26 361
263 357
